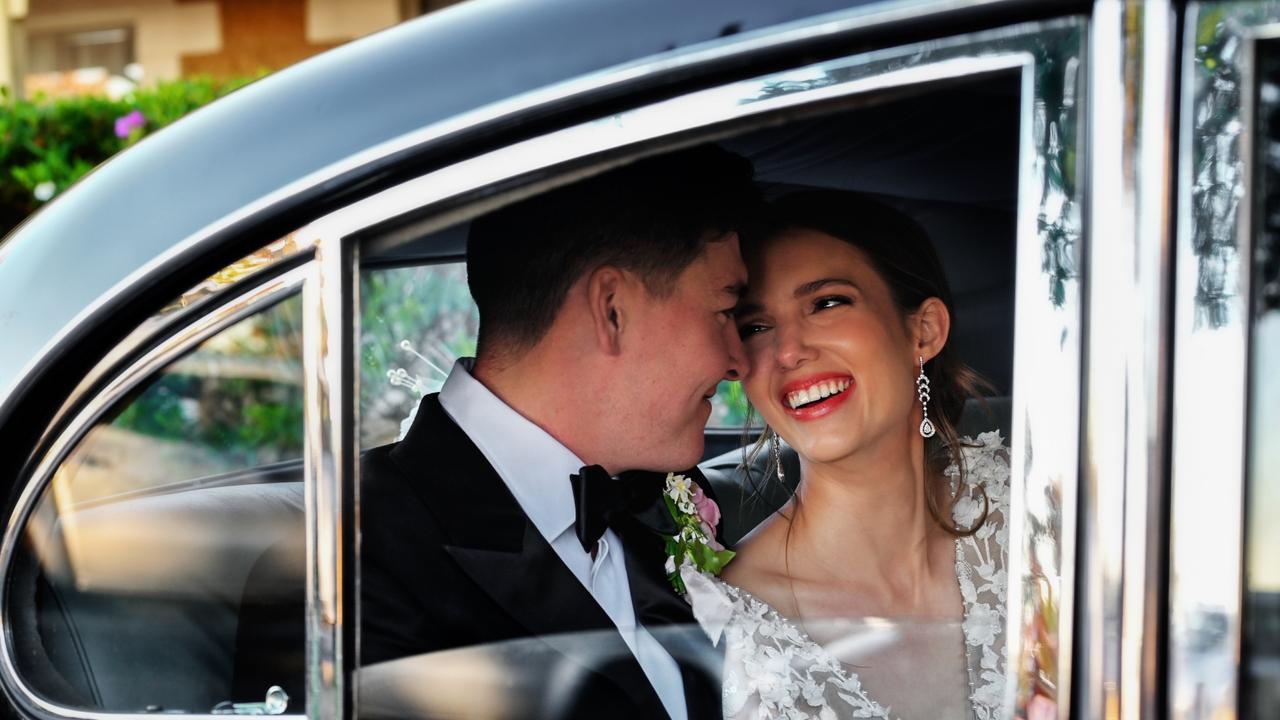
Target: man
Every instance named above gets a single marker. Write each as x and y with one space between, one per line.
605 326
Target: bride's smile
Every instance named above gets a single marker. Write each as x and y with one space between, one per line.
816 396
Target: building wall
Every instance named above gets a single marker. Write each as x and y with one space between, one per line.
172 38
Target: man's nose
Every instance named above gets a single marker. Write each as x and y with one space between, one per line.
739 364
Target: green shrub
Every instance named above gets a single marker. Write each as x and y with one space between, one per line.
48 144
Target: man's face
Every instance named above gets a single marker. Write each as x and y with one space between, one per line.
678 350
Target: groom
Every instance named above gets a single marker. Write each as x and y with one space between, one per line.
605 326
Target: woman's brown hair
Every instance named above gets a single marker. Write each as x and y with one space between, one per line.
901 252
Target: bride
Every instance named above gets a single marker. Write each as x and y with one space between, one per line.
879 589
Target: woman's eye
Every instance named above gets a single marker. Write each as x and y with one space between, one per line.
748 329
830 301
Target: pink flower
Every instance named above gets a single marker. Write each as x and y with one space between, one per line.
126 124
710 532
707 509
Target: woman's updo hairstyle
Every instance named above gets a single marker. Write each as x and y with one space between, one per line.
901 252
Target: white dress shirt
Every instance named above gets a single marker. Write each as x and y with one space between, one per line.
536 468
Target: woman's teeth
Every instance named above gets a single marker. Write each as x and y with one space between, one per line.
816 392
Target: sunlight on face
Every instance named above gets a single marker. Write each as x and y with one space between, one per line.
832 365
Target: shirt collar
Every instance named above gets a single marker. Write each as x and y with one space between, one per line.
532 463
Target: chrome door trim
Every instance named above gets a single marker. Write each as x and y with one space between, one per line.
169 350
1211 338
1048 317
1126 361
332 420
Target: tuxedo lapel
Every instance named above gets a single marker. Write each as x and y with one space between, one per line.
670 619
499 548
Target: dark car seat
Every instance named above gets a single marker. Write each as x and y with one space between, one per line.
135 605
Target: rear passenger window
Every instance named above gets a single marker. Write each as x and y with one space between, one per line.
163 568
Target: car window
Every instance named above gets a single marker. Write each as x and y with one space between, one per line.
162 568
468 602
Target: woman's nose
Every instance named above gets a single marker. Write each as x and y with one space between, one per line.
792 350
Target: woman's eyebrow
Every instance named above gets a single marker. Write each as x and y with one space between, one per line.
816 285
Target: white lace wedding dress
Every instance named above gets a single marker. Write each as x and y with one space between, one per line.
774 670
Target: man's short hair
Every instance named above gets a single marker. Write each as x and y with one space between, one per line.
652 217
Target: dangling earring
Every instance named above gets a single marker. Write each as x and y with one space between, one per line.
922 390
777 456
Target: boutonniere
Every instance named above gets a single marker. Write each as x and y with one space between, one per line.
695 543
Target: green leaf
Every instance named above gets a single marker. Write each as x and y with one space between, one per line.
711 560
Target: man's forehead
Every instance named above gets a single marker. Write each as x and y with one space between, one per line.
724 264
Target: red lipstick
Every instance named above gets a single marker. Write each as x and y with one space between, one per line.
820 407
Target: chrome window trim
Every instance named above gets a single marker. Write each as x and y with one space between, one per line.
1212 332
266 294
331 468
1052 328
162 324
1126 363
722 49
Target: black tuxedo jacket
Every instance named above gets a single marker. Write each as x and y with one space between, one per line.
449 560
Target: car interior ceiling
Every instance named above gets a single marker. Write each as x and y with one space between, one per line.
947 155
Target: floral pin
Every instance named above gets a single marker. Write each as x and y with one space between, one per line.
695 544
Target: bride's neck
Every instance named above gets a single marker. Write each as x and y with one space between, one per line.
866 520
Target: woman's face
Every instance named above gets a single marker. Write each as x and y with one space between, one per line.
818 320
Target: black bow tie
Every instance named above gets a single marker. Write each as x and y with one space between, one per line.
603 501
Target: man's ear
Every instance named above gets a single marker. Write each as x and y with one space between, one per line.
604 290
930 327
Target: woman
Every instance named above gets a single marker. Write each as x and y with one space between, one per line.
895 519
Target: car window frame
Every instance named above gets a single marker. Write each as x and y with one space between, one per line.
467 188
121 372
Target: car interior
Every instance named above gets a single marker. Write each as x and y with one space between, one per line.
210 605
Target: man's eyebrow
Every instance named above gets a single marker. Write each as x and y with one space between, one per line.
816 285
737 289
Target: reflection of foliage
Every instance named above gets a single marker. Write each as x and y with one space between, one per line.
1055 136
1218 178
237 271
239 394
1040 592
431 308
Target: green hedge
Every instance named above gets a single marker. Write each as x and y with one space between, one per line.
48 144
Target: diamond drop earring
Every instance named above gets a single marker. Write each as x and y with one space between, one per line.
777 456
922 390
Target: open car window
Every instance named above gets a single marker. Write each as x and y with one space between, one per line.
997 191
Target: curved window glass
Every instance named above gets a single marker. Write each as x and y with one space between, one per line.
162 570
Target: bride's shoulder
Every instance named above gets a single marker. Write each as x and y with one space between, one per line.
986 460
985 473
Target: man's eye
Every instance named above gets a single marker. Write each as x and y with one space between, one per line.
830 301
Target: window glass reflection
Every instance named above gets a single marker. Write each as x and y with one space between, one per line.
163 568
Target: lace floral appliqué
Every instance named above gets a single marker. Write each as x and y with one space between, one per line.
773 670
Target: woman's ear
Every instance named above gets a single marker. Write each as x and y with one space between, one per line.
604 304
930 326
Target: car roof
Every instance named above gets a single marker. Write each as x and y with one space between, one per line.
278 132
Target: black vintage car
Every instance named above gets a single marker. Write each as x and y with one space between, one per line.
199 339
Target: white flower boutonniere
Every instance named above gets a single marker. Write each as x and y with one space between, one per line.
695 544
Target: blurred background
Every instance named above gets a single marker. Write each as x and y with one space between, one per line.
82 79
